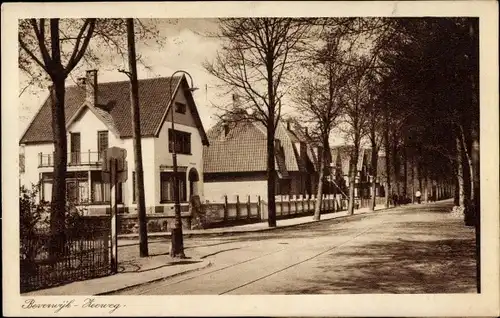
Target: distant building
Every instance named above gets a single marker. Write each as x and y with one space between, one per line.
236 161
341 156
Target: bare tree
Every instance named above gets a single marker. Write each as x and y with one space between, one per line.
51 57
318 100
136 125
375 135
256 58
357 99
45 51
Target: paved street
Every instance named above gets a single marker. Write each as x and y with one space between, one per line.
412 249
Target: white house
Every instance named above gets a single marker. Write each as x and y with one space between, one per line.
236 161
98 116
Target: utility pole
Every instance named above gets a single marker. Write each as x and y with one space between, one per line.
136 126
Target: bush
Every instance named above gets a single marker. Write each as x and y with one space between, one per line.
34 222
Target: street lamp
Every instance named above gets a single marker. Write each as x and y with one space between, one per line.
177 248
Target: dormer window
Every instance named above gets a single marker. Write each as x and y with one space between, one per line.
180 108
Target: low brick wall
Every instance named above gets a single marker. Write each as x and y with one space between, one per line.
129 223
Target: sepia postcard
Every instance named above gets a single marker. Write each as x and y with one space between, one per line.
258 158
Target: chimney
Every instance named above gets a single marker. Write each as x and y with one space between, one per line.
288 124
307 131
236 100
226 129
91 88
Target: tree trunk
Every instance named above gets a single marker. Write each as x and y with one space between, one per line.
58 200
426 185
460 174
475 202
405 169
388 188
136 126
271 175
319 194
374 162
396 167
412 162
470 165
352 178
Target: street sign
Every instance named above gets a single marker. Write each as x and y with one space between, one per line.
121 176
114 156
114 171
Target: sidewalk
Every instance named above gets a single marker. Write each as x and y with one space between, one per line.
132 239
131 273
134 271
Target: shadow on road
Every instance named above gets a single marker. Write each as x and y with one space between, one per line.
418 257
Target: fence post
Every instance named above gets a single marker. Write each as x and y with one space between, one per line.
308 203
289 205
296 204
258 206
225 208
281 205
237 207
302 202
248 207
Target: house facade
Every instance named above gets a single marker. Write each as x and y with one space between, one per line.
98 116
341 158
236 161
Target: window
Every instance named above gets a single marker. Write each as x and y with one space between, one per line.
102 141
46 187
182 142
283 186
180 108
167 186
101 191
77 187
75 148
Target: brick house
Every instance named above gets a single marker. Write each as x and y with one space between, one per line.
98 116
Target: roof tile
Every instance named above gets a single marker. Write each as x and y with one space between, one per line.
113 99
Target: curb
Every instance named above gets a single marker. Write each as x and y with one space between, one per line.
208 264
230 233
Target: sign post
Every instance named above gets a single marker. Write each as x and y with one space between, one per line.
114 169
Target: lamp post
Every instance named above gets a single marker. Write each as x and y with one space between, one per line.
177 248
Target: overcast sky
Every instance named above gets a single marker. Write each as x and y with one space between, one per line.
186 49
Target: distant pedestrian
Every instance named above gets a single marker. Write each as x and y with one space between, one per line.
418 195
395 199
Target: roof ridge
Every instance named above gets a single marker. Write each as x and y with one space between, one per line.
127 81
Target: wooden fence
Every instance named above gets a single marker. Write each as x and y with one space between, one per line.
253 209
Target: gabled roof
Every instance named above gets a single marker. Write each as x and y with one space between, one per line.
345 151
244 149
113 107
100 113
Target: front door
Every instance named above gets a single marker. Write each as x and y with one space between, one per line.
75 148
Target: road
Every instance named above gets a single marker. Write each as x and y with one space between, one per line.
411 249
